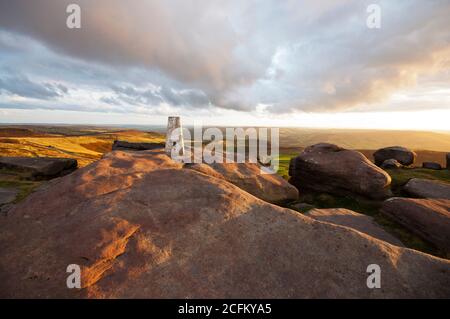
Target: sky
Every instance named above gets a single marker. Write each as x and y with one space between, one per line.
237 63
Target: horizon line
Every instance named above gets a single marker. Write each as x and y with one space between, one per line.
130 125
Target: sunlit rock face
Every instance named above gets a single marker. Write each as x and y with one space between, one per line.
329 168
249 177
141 226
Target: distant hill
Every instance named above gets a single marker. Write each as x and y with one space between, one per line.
23 130
85 144
365 139
20 132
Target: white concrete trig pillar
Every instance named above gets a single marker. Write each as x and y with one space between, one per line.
174 136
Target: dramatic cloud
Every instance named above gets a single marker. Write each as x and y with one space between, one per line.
274 56
22 86
156 96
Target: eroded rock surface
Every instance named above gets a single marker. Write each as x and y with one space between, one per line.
269 187
428 218
354 220
141 226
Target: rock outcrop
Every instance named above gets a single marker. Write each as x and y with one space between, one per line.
391 164
269 187
362 223
141 226
427 188
40 167
432 165
447 161
332 169
136 146
428 218
403 155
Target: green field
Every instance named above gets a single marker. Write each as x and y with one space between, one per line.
284 160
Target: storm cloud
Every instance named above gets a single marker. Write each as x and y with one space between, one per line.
284 56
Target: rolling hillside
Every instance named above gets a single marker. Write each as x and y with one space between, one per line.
85 145
365 139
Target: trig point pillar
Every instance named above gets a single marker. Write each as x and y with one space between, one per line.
174 136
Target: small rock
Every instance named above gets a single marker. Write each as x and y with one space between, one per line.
432 165
390 164
403 155
427 188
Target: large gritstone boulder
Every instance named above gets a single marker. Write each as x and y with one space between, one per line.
428 218
139 225
269 187
332 169
427 188
403 155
